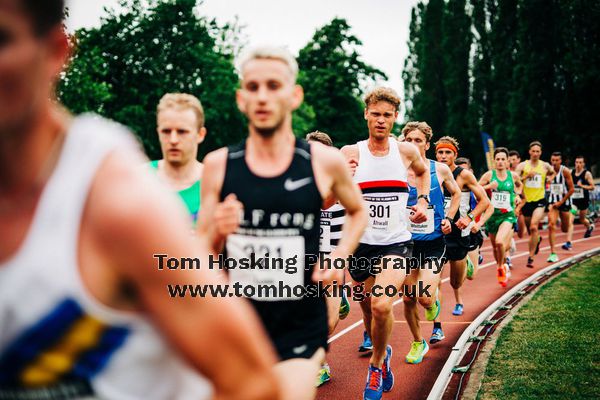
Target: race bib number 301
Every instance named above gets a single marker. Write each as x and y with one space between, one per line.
272 272
384 213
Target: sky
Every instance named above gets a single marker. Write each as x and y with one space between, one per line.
382 25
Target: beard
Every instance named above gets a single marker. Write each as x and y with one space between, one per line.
268 131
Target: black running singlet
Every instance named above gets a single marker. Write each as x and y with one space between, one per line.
580 193
280 226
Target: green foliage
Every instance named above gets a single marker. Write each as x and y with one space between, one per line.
122 69
521 70
332 73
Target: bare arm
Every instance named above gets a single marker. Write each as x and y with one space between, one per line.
484 217
212 208
352 156
332 167
452 187
518 184
550 173
350 197
414 161
486 181
590 180
483 202
520 170
238 358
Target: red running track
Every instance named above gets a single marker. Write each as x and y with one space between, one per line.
349 369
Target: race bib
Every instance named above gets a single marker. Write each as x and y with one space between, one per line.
447 201
501 200
556 189
284 264
534 182
325 236
578 194
424 227
384 213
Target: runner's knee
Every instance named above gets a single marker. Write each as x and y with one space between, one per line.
381 308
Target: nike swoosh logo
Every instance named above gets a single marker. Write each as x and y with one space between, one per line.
300 349
291 185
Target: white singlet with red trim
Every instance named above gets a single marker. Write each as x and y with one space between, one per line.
384 185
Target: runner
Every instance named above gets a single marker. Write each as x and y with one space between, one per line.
505 186
476 237
428 238
83 308
332 220
458 242
559 202
380 166
280 183
514 159
534 173
180 127
584 182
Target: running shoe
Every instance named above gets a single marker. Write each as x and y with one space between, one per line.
458 309
588 231
501 275
366 344
508 262
437 335
387 377
470 268
433 312
553 258
417 351
513 247
344 307
508 273
480 259
537 247
374 387
567 246
529 262
324 375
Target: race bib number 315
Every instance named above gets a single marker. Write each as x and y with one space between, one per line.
244 247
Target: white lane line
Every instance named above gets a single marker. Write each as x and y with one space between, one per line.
358 323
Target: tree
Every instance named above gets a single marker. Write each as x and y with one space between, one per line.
332 73
456 45
534 71
122 69
410 74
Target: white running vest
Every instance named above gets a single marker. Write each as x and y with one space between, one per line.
56 340
384 185
330 230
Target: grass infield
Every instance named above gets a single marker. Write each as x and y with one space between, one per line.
550 350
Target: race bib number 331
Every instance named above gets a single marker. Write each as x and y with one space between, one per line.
244 247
